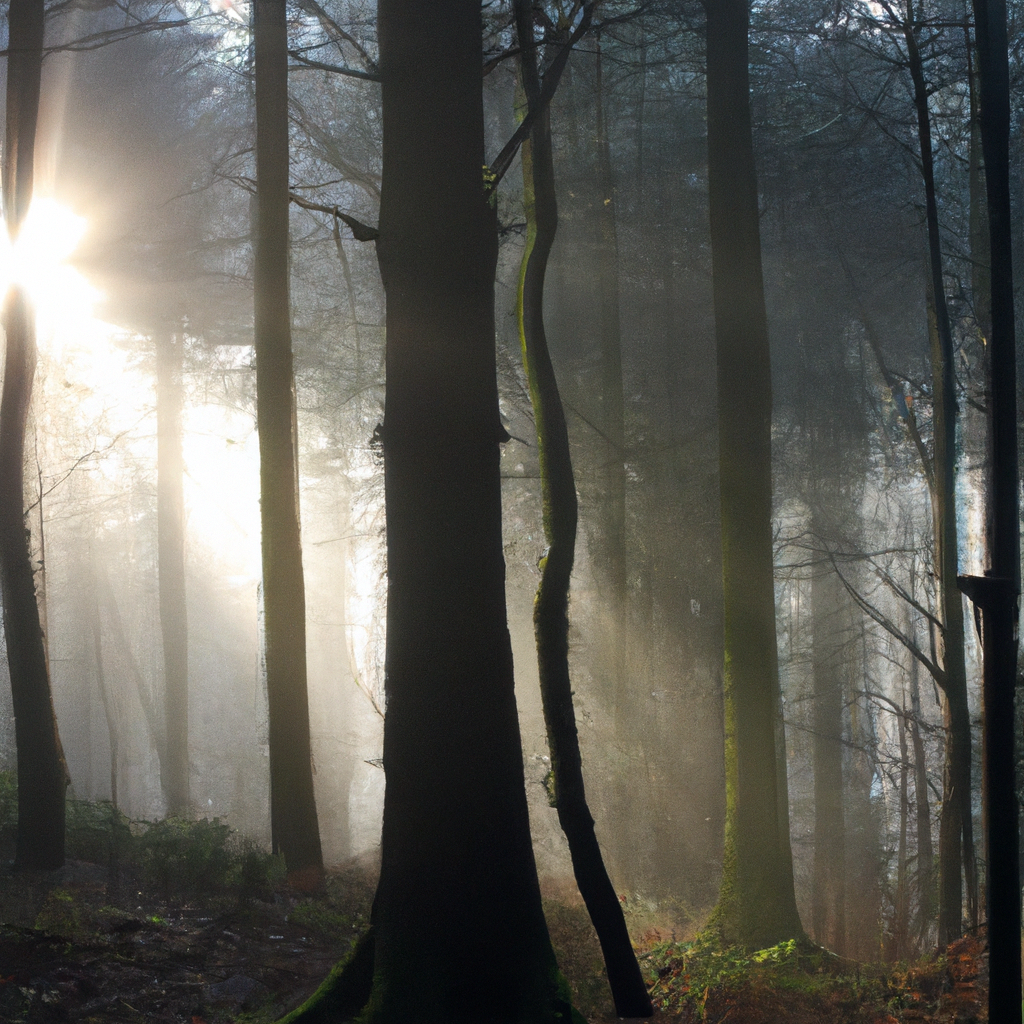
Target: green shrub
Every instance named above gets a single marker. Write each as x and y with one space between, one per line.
8 805
96 831
60 914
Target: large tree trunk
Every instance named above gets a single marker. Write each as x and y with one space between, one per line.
757 905
459 931
551 606
42 772
294 825
170 513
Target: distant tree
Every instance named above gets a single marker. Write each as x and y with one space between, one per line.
170 512
757 903
294 826
42 772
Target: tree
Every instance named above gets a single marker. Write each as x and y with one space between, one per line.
458 933
170 512
558 486
757 904
998 593
294 825
42 773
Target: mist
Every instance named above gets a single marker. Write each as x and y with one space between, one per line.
147 135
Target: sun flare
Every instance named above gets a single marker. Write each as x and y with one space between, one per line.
38 262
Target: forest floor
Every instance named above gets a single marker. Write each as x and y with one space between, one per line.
181 923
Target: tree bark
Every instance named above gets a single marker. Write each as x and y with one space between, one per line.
923 817
956 839
459 934
170 513
551 605
757 905
294 826
1000 611
42 772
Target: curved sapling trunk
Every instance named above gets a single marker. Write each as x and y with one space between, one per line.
551 606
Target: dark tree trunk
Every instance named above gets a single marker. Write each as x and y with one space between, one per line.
901 909
551 606
42 772
170 513
459 931
923 816
956 840
999 594
294 825
757 905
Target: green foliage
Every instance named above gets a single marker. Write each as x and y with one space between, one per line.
794 980
96 831
323 919
176 856
8 806
686 972
60 915
185 856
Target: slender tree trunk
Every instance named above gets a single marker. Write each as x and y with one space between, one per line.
757 905
42 772
956 840
170 512
150 709
551 606
106 698
923 818
613 415
998 594
828 896
294 826
901 910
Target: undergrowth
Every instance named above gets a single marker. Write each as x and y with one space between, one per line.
176 857
704 980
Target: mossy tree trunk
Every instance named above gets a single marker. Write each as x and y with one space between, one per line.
170 513
551 605
42 772
294 824
757 905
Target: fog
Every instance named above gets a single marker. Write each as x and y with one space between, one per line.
149 140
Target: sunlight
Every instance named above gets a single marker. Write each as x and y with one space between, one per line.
38 261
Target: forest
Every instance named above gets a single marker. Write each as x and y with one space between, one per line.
509 511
